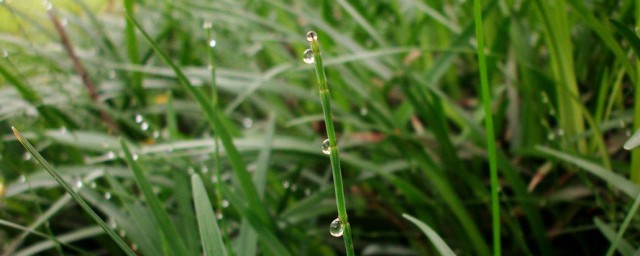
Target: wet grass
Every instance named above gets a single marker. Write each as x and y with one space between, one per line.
468 127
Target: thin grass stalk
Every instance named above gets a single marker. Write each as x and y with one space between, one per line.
488 118
216 154
325 99
635 154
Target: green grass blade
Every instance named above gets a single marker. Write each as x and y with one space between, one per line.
624 226
624 247
632 142
437 241
610 177
125 248
163 222
132 52
214 118
334 153
210 236
488 117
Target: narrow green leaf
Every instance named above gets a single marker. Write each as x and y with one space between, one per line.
437 241
633 39
624 248
625 224
632 142
215 120
210 235
125 248
163 222
612 178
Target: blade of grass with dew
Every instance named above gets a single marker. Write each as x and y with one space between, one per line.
624 226
617 181
488 117
437 241
168 231
248 240
624 248
215 120
558 40
210 236
32 97
634 42
186 220
73 193
632 142
334 157
135 79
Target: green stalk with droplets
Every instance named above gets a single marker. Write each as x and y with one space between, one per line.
325 99
488 117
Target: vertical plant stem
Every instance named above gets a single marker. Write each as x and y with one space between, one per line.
635 154
216 140
488 117
334 156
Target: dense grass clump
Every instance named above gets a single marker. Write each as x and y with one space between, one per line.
198 127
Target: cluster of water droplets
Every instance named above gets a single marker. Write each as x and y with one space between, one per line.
336 228
308 55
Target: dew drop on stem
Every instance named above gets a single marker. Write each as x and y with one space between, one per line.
312 36
326 147
336 229
307 57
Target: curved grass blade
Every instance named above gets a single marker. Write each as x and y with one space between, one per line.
125 248
437 241
632 142
624 248
612 178
210 235
625 224
163 222
216 121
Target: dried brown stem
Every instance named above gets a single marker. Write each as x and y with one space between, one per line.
84 75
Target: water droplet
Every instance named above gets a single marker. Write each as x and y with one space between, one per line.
122 233
307 191
134 247
190 170
155 134
22 179
144 126
63 130
5 54
139 118
364 111
312 36
224 203
26 156
560 132
212 43
112 224
247 123
107 195
93 185
79 183
307 57
204 169
135 157
207 24
219 215
111 155
336 228
551 136
285 184
326 147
